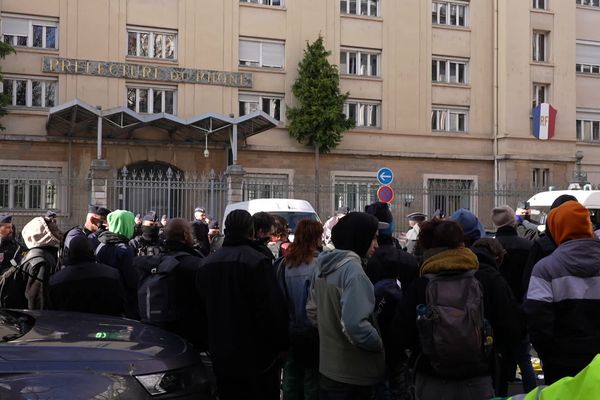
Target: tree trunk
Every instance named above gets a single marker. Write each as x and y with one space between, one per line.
317 184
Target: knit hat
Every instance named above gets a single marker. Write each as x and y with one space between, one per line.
238 223
503 216
355 232
570 221
121 222
470 224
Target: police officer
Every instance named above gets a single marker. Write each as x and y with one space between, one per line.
148 243
9 248
95 223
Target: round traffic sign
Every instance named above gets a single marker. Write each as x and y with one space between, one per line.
385 176
385 193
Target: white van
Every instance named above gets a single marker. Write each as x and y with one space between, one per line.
293 210
542 201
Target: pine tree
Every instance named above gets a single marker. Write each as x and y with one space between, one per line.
318 120
5 49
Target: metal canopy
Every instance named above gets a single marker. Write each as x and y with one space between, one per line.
79 119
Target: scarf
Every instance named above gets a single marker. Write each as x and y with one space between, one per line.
461 259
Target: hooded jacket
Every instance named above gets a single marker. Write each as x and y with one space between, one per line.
341 305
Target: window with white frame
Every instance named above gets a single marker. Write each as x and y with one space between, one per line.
590 3
588 130
354 192
369 8
587 56
265 2
254 53
449 119
449 71
540 94
364 114
360 62
540 46
453 13
30 32
448 195
30 92
265 185
540 177
29 188
151 43
152 100
270 104
540 4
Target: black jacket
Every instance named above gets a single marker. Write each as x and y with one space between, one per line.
246 310
515 259
541 247
9 249
390 261
87 286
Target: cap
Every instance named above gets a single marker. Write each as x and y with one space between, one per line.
214 225
199 209
5 219
416 216
102 211
503 216
50 214
150 216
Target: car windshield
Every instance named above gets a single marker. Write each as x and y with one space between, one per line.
294 217
13 325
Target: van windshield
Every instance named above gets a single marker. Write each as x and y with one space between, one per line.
293 217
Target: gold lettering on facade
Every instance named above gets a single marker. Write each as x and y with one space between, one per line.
145 72
111 71
174 75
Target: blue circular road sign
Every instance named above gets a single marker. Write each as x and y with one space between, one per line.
385 176
385 194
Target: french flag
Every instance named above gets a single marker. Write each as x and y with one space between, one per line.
544 119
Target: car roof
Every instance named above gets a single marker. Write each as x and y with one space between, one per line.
271 205
589 198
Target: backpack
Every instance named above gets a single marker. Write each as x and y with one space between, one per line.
157 290
453 331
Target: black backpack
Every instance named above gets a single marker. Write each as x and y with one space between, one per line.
454 334
157 290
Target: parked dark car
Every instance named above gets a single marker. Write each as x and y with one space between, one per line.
66 355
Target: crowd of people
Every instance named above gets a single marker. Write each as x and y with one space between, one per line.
345 310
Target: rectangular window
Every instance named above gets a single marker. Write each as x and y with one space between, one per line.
449 71
589 3
588 130
261 186
539 4
151 44
587 56
449 119
262 54
360 7
449 195
364 114
540 177
354 192
452 13
540 46
360 62
540 94
30 92
30 32
265 2
28 189
152 100
269 104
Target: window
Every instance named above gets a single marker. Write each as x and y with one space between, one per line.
587 69
354 192
151 44
449 195
587 57
540 46
267 103
24 32
265 2
588 130
540 177
364 114
30 189
449 71
359 62
449 119
540 94
261 54
590 3
152 100
539 4
261 186
30 92
360 7
449 13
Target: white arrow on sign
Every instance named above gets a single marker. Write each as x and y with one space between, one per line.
384 177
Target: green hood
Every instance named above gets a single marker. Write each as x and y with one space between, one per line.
121 222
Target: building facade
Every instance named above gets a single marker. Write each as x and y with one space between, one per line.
442 92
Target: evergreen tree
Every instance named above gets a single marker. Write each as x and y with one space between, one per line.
318 120
5 49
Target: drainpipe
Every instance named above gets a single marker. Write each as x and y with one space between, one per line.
495 102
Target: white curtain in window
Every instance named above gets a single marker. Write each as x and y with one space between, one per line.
249 51
588 54
15 26
272 54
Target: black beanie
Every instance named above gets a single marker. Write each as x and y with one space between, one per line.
355 232
239 224
80 250
381 211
